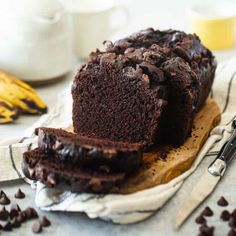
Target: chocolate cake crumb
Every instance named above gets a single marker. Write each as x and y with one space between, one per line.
200 219
225 215
222 202
4 214
45 222
36 227
19 194
207 212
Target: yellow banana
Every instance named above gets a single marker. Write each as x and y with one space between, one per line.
8 112
20 94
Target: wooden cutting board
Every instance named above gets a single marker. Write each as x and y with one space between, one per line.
162 165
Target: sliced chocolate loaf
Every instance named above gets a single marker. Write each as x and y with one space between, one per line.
144 88
95 154
38 165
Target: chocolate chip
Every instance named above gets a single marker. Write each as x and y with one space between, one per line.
225 215
207 212
21 217
37 228
4 200
14 211
232 222
30 213
232 232
4 214
200 220
222 202
7 226
15 222
233 214
45 222
206 230
19 194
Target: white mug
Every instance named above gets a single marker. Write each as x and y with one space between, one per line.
92 21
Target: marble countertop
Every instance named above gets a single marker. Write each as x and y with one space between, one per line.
158 14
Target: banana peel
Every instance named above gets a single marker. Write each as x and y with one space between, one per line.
20 95
8 112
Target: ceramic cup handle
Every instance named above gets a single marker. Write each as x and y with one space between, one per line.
121 10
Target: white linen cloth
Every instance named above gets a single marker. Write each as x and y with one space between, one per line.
118 208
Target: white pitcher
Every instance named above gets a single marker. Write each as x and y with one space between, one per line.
35 42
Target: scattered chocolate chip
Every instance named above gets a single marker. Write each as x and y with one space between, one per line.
206 230
225 215
19 194
15 223
4 200
232 222
14 211
4 214
200 220
207 212
222 202
30 213
232 232
21 217
2 193
7 226
45 222
37 228
233 214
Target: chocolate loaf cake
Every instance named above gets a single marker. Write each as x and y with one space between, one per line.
144 88
53 173
95 154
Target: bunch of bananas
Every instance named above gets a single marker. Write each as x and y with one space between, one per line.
17 96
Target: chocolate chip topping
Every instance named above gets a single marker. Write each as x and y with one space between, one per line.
4 200
21 217
7 226
19 194
200 219
4 214
45 222
222 202
225 215
36 228
232 232
207 212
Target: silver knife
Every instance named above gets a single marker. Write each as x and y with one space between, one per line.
209 179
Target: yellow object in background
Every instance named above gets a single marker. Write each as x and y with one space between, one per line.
215 24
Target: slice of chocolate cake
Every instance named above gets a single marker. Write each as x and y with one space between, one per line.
117 100
53 173
89 152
